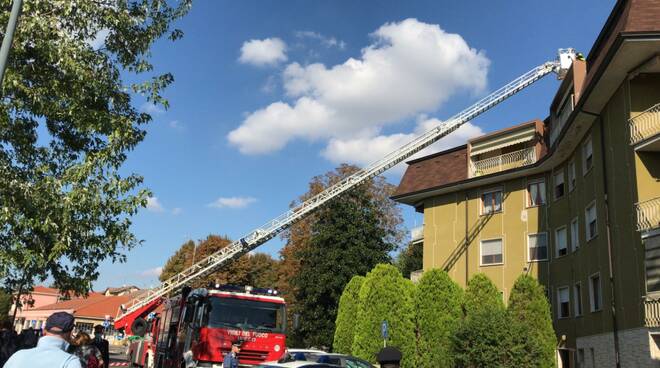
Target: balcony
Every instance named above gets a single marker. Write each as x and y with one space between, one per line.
511 160
417 235
652 312
648 214
645 129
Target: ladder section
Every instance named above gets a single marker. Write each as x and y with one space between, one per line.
285 220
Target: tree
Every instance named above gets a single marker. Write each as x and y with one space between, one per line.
345 323
385 296
410 259
482 338
533 338
257 270
67 122
5 305
348 239
438 311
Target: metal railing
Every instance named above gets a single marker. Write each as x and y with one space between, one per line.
503 162
652 312
417 234
648 214
645 124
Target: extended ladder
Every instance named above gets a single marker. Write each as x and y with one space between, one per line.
285 220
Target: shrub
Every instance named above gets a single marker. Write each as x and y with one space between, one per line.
345 324
438 309
385 296
532 336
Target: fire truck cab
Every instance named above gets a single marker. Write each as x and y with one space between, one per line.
198 327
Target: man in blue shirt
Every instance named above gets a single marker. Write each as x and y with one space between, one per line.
231 359
51 348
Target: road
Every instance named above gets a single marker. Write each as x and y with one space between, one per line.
118 356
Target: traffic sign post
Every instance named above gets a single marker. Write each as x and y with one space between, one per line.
384 332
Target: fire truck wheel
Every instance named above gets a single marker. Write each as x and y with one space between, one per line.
139 327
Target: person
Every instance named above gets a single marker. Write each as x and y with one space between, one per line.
8 341
231 359
28 338
51 348
86 351
102 344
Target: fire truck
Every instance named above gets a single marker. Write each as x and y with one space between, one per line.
187 332
197 328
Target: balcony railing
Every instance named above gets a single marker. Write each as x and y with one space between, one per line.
645 124
503 162
648 214
652 312
417 234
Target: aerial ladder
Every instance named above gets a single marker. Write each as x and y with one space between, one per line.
145 303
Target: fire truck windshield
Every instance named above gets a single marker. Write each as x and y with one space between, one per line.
246 314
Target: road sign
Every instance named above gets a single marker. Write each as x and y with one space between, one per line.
384 330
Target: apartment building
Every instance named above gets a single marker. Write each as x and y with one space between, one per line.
573 200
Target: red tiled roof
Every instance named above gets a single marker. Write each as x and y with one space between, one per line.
45 290
96 305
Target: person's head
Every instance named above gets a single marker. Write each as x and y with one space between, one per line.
82 338
235 348
6 325
98 329
59 324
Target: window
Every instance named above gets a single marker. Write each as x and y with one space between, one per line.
491 202
559 184
535 193
590 221
560 241
588 156
491 252
575 236
564 309
537 245
594 293
571 176
580 362
577 296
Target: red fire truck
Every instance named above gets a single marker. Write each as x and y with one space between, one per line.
198 327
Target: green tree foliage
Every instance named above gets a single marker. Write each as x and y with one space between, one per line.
298 237
385 296
482 338
257 270
410 259
67 122
6 301
530 322
346 316
438 308
348 239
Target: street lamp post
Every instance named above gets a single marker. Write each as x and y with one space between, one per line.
9 37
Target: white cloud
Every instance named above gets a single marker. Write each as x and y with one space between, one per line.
152 272
269 51
154 205
177 211
232 202
151 109
176 125
411 68
99 39
365 151
325 41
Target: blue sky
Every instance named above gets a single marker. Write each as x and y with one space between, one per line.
268 94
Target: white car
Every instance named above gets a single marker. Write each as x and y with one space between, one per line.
297 364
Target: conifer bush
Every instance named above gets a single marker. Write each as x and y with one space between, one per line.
483 336
530 322
438 309
385 296
346 316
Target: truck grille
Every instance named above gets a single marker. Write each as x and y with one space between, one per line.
249 356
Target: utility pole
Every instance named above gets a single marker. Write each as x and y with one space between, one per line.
9 37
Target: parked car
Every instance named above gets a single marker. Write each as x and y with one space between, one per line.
320 356
297 364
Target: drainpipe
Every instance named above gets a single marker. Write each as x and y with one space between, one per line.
467 241
615 328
